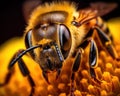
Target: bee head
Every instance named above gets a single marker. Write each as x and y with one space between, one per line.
51 55
50 27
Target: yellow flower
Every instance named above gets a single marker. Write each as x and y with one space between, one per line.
108 71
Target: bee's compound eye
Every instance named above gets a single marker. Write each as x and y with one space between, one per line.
64 37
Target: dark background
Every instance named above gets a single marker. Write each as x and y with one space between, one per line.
12 22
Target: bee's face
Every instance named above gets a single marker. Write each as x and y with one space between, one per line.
47 25
50 27
48 57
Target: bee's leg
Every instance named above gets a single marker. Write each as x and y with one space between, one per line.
93 56
58 73
23 68
10 72
75 68
106 42
7 78
25 72
61 59
45 75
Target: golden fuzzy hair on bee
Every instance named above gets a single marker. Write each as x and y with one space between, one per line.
70 8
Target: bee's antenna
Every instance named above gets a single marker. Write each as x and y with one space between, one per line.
16 58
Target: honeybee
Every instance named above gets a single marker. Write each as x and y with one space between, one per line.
57 32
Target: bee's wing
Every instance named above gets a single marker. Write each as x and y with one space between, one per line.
103 8
94 10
